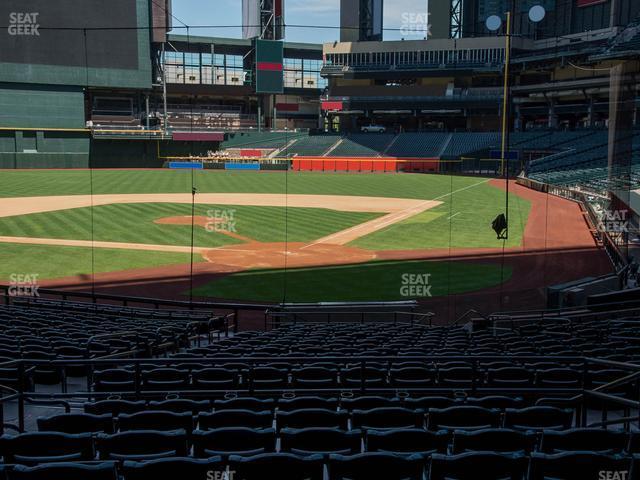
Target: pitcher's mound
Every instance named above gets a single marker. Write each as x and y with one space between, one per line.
293 255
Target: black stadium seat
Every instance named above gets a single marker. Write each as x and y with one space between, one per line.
173 468
578 466
585 439
325 441
369 465
76 423
156 420
392 417
283 466
45 447
141 445
538 418
407 441
463 417
312 417
114 407
66 471
476 465
494 439
233 441
235 418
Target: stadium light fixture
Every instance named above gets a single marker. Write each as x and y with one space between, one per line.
493 23
537 13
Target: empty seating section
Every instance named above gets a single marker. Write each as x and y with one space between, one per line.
46 332
363 145
424 145
583 163
331 401
258 140
468 143
313 145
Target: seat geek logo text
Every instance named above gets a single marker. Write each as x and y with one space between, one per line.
23 24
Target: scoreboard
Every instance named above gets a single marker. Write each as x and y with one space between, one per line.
45 41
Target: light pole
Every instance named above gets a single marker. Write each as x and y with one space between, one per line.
493 24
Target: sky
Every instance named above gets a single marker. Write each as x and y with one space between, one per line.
398 14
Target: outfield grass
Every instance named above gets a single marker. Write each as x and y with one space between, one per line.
462 221
380 281
51 262
134 223
24 183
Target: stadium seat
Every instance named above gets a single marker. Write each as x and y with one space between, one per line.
324 441
467 466
165 379
297 403
283 466
392 417
538 418
577 465
215 379
114 407
66 471
494 439
420 377
495 401
314 377
245 403
407 441
365 466
312 417
173 468
141 445
463 417
180 405
235 418
510 377
156 420
584 439
367 403
44 447
76 423
425 403
114 380
233 441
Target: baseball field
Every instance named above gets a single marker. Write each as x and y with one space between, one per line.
269 236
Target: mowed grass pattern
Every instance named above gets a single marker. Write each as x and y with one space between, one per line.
25 183
462 221
134 223
51 262
382 281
